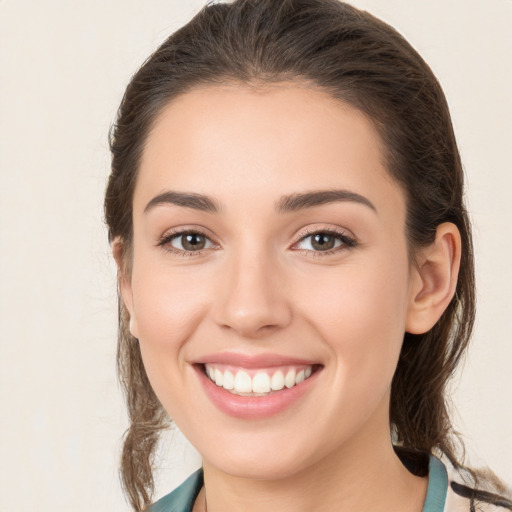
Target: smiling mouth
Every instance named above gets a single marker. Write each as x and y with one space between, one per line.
257 382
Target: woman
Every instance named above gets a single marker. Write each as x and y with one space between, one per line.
295 264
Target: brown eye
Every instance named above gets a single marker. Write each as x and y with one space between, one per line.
193 242
322 242
189 242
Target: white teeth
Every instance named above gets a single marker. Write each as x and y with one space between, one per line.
229 380
261 383
277 381
243 382
289 380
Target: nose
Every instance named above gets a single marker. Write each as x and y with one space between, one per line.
252 299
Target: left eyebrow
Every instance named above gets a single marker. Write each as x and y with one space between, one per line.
295 202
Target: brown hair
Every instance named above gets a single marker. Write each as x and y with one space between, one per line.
362 61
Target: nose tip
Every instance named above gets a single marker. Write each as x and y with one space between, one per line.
250 325
252 301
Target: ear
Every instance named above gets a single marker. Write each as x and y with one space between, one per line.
434 279
124 282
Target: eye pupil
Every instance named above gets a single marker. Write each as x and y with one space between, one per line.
323 242
193 241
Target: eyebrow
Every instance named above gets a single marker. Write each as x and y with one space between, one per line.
287 204
295 202
186 199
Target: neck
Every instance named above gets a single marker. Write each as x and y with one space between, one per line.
367 475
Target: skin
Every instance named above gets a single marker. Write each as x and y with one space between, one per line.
259 286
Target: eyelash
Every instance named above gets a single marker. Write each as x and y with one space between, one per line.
167 238
347 242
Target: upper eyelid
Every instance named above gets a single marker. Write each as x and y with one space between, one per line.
175 232
309 231
303 232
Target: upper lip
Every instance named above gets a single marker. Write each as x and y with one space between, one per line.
254 361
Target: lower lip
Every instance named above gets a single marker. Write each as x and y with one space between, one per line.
252 407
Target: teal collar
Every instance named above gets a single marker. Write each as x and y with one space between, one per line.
182 499
437 486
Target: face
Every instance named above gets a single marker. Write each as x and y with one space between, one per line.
269 256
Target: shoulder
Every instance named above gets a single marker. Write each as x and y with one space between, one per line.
464 493
182 498
470 491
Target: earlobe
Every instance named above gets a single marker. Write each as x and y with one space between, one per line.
124 282
434 281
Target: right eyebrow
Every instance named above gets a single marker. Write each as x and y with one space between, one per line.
186 199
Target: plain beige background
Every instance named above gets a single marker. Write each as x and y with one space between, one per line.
63 68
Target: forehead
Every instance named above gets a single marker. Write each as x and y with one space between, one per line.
265 140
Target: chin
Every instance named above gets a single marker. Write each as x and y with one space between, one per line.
264 459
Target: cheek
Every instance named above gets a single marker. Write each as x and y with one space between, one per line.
168 307
362 321
360 312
